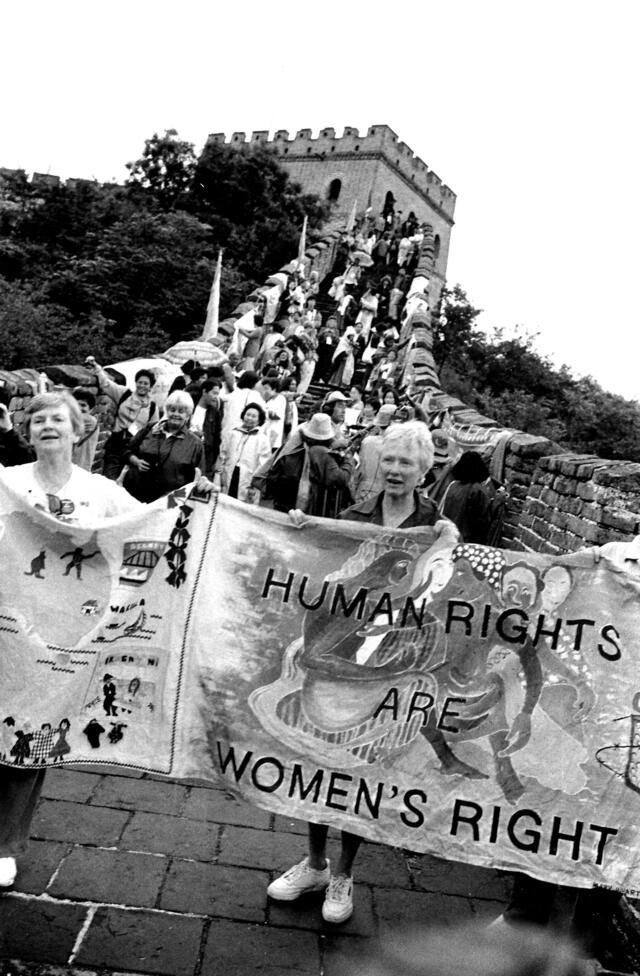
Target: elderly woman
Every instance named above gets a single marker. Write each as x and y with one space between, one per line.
55 485
244 449
406 456
166 455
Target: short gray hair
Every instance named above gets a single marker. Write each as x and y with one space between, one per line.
417 434
179 399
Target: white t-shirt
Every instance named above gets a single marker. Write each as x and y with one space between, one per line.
275 428
197 419
234 403
85 498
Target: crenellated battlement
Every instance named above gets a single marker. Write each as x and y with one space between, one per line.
380 141
43 181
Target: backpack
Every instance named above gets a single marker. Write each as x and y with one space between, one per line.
126 395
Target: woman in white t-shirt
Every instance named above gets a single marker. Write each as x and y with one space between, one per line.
55 485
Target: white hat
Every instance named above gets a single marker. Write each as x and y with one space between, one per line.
336 395
319 428
384 414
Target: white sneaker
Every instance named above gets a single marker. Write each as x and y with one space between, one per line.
298 880
338 901
8 871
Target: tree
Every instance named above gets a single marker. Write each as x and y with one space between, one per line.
253 208
505 378
453 332
165 170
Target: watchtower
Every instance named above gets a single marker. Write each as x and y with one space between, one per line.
376 170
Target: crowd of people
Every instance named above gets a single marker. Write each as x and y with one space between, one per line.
363 451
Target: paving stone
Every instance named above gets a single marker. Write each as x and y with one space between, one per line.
38 930
453 878
65 784
80 824
219 807
395 908
342 955
260 849
140 795
170 835
38 865
306 913
115 877
145 942
487 910
268 951
379 865
289 825
215 889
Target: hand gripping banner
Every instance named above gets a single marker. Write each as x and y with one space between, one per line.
480 705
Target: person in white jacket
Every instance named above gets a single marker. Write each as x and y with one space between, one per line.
244 449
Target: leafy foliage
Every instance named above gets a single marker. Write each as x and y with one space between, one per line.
506 379
120 271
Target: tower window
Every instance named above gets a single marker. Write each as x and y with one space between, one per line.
436 247
334 190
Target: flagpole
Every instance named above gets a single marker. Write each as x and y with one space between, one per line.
302 246
210 330
351 222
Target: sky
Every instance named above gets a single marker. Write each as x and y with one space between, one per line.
529 112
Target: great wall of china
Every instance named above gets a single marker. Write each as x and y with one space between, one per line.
558 502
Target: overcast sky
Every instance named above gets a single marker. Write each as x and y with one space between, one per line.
529 112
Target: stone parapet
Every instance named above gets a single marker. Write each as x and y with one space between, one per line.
379 141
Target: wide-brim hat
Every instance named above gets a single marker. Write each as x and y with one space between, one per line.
385 414
319 428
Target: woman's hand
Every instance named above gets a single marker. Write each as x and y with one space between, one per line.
298 518
446 531
202 483
142 465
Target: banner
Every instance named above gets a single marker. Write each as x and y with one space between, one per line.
475 704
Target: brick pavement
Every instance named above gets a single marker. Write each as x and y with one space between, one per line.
128 874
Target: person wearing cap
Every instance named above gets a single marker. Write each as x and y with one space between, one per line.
287 475
368 478
406 456
330 472
335 405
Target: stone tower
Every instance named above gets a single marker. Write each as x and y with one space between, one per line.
375 170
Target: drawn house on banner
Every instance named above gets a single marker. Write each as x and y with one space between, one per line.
139 559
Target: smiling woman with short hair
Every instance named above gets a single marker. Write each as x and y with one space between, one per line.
55 485
407 454
166 455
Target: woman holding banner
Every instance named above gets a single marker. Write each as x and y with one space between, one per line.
406 456
53 484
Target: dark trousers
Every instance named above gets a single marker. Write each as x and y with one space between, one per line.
580 913
19 794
